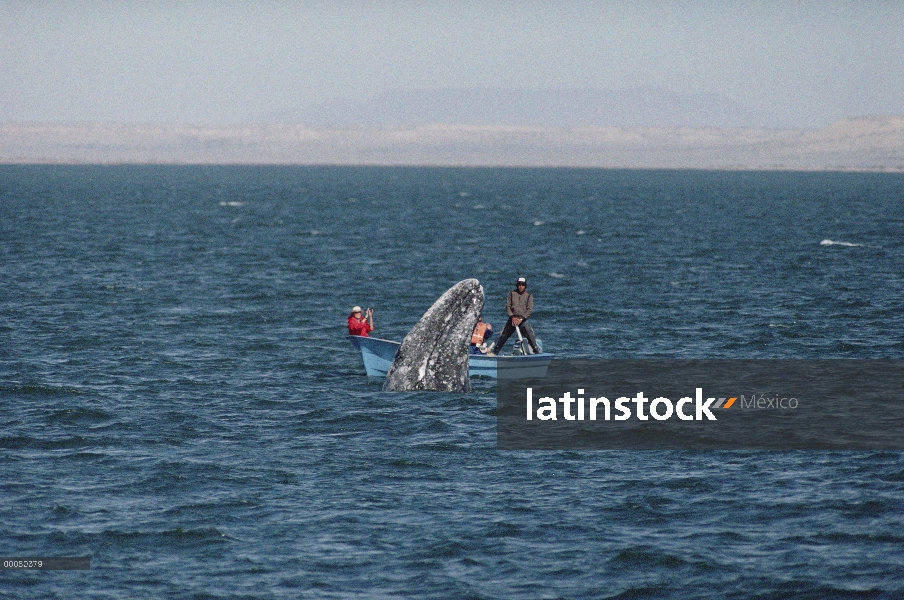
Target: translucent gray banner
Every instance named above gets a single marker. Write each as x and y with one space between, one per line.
705 405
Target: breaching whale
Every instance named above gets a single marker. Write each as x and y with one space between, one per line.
434 354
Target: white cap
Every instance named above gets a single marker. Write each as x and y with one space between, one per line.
356 309
522 280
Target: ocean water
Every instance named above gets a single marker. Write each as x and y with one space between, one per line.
178 400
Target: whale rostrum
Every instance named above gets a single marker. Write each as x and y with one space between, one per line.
434 354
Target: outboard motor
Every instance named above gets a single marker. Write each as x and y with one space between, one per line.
521 347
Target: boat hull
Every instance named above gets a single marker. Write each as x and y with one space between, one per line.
377 356
510 367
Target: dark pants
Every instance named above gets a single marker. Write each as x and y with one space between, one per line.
526 330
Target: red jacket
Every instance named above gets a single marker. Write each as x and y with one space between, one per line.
356 327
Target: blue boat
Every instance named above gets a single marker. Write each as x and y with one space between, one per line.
510 367
378 355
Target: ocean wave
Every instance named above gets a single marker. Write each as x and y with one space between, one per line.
834 243
37 390
78 415
36 443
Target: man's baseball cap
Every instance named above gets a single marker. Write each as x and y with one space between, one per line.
522 280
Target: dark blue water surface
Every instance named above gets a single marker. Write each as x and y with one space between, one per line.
178 400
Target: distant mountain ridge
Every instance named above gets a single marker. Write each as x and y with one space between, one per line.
867 143
635 107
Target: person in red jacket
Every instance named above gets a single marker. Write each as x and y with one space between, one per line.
360 323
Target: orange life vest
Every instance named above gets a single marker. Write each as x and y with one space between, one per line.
479 331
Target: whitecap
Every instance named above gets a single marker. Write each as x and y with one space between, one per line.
556 275
232 203
834 243
538 223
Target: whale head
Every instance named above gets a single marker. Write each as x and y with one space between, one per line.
434 354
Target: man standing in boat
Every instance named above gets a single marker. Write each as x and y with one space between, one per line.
519 305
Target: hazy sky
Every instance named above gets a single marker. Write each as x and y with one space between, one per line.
213 63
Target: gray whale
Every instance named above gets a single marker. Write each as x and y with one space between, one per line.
434 354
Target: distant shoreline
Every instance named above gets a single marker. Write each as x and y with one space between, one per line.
739 169
869 144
